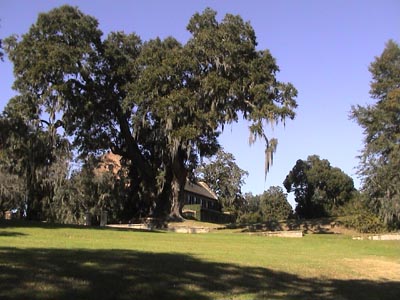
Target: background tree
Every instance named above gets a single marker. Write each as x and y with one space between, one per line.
319 189
250 212
158 104
35 154
358 215
23 155
93 190
12 191
226 179
380 159
274 204
271 206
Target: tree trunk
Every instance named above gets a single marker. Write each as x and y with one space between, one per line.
142 195
179 175
141 172
163 202
177 199
31 203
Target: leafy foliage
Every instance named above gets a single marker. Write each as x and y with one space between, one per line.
35 159
359 216
274 204
270 206
93 191
12 191
158 104
319 188
226 179
380 159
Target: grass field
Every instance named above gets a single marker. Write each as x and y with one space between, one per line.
42 261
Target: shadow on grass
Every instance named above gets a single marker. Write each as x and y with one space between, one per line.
11 233
124 274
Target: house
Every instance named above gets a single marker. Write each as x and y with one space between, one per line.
202 204
200 193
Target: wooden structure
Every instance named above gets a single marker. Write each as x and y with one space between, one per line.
202 204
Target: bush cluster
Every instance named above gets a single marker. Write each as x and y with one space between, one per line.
359 216
364 222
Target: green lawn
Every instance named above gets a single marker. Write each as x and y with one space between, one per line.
57 262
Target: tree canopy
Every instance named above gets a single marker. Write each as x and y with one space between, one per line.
318 187
35 160
270 206
159 104
274 204
380 158
225 178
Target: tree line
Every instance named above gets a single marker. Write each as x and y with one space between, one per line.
161 105
320 190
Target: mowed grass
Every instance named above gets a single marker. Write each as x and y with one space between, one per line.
42 261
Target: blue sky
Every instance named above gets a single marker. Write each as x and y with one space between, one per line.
323 47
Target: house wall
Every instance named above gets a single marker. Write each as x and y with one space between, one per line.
191 199
204 209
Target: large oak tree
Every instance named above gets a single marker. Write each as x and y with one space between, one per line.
158 104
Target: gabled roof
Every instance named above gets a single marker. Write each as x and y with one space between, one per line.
200 188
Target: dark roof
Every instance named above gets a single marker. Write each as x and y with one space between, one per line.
200 188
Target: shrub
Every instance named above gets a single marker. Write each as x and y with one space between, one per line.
361 218
364 222
249 217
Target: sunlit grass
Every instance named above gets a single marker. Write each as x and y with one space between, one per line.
42 261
